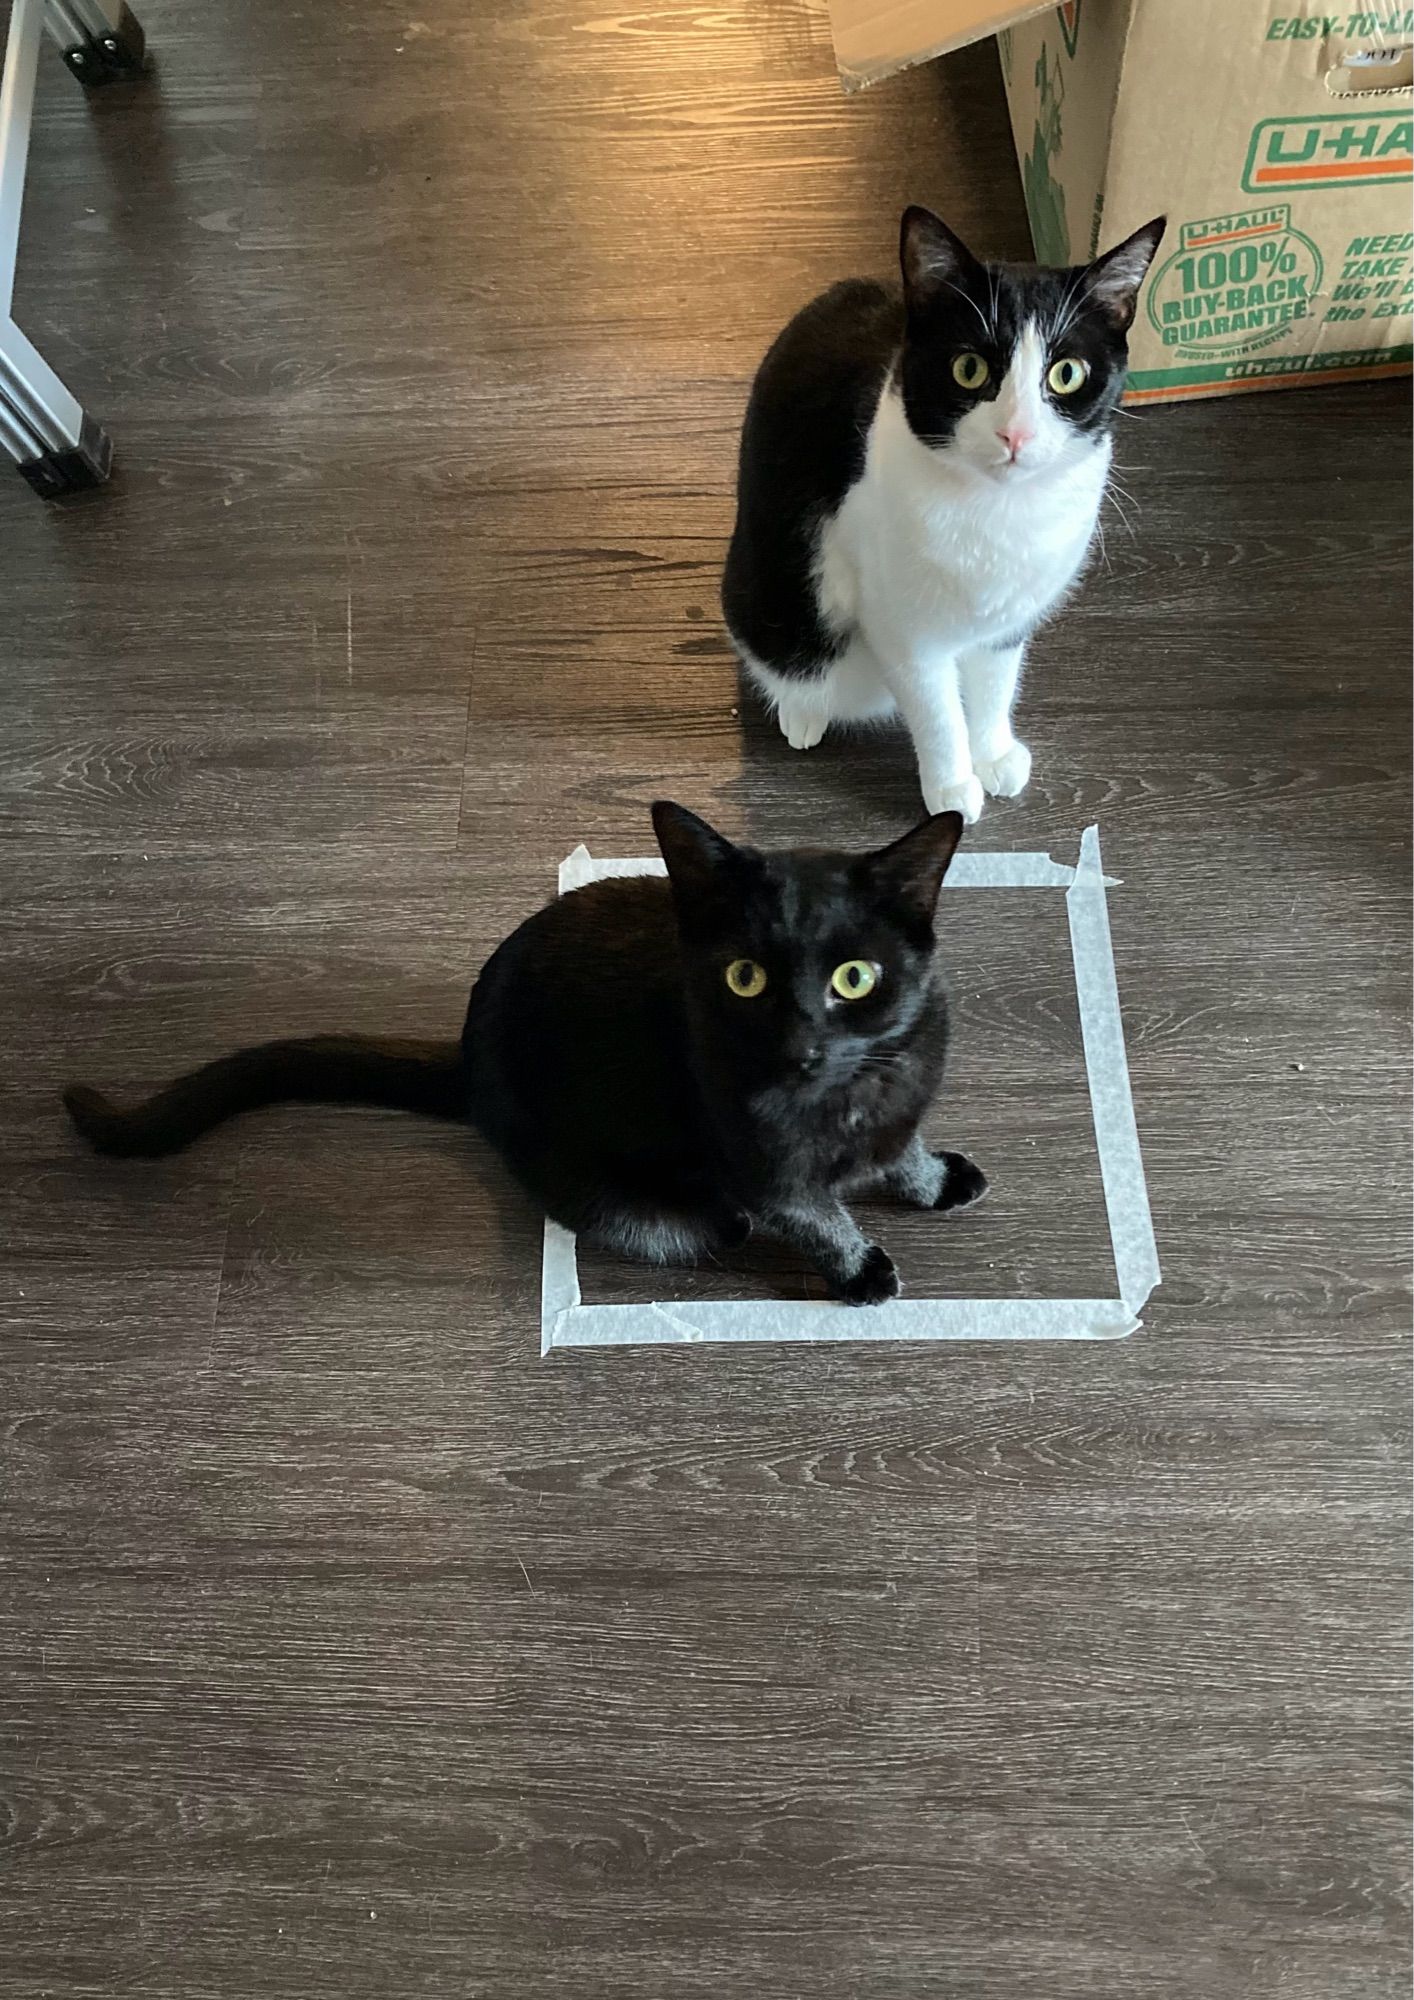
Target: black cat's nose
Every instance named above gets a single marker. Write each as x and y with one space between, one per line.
808 1060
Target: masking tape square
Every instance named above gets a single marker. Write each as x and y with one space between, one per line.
566 1321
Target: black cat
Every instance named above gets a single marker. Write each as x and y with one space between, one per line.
666 1065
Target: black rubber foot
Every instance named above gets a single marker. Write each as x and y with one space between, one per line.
75 469
116 57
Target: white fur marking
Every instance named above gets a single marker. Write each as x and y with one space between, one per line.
938 557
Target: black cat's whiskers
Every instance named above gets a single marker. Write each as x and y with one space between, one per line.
881 1059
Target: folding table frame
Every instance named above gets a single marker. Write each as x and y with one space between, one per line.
58 447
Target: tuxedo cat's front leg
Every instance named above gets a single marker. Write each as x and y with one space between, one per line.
929 698
858 1271
989 677
934 1180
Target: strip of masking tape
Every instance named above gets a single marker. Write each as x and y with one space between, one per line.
968 871
559 1285
668 1321
1107 1067
567 1322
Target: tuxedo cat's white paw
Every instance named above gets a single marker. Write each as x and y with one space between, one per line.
1003 777
965 798
803 723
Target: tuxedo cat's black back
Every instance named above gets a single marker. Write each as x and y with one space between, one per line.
802 448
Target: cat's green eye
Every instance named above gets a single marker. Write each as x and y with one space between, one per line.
746 978
970 371
1066 376
854 978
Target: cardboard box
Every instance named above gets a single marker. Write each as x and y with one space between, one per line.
1275 134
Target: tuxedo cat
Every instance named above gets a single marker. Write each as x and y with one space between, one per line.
667 1065
919 481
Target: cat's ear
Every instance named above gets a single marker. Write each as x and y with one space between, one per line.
1112 281
698 857
931 257
911 871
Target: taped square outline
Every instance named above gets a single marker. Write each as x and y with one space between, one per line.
566 1322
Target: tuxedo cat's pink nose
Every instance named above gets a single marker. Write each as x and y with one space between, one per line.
1014 437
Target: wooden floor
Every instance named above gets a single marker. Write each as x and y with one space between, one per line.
346 1647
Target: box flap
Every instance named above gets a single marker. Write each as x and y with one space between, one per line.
873 38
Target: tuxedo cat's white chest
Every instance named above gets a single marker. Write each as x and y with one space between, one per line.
923 553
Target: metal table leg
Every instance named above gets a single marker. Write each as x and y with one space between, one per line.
58 447
100 40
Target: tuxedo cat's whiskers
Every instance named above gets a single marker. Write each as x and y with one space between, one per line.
920 480
1070 307
1105 562
982 319
1117 496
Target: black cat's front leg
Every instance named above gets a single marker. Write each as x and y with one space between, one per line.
934 1180
858 1271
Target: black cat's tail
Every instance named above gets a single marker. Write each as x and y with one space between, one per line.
319 1069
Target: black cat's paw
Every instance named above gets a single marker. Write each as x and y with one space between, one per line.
874 1281
963 1182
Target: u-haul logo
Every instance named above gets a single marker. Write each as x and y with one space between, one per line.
1290 153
